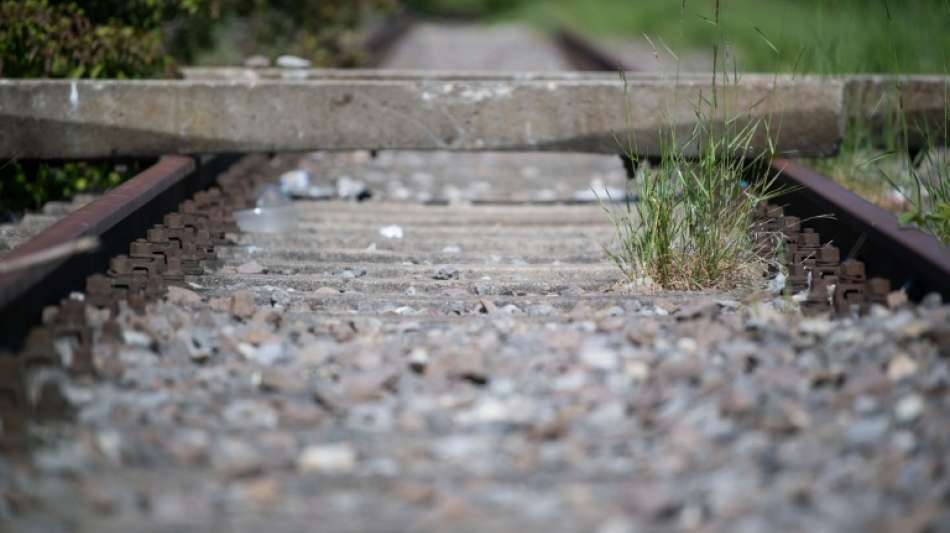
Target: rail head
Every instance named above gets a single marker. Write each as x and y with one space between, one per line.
907 255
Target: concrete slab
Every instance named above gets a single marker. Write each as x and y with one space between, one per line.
886 105
599 114
871 101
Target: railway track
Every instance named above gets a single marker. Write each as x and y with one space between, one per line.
454 353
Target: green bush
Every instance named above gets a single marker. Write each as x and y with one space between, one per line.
145 38
464 8
29 185
55 39
89 39
227 31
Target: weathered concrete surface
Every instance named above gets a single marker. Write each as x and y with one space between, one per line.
871 101
886 105
76 119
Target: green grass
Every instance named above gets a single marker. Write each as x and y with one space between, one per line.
27 186
695 226
795 36
928 195
814 36
925 181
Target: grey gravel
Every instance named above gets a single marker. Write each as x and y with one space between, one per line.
487 370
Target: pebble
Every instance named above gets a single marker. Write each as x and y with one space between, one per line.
222 305
932 300
599 356
198 343
257 61
867 431
234 457
251 267
540 310
446 273
180 295
289 61
266 354
901 367
366 386
250 414
909 408
326 291
327 459
137 339
419 360
243 304
280 298
351 189
188 446
816 326
280 380
391 232
701 308
261 492
351 273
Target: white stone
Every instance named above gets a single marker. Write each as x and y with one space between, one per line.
598 356
391 232
909 408
289 61
327 458
136 338
816 326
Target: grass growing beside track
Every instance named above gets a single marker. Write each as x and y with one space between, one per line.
812 36
797 36
694 226
925 183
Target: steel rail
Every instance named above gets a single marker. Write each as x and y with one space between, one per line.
908 257
115 219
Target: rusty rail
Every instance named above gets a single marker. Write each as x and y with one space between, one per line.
907 256
115 219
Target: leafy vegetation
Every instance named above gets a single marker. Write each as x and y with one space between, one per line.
465 8
30 185
924 181
227 31
146 38
53 39
694 224
813 36
91 39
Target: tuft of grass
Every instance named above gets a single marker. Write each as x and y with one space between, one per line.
695 224
928 193
929 175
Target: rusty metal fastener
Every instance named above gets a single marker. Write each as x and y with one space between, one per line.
852 270
877 291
